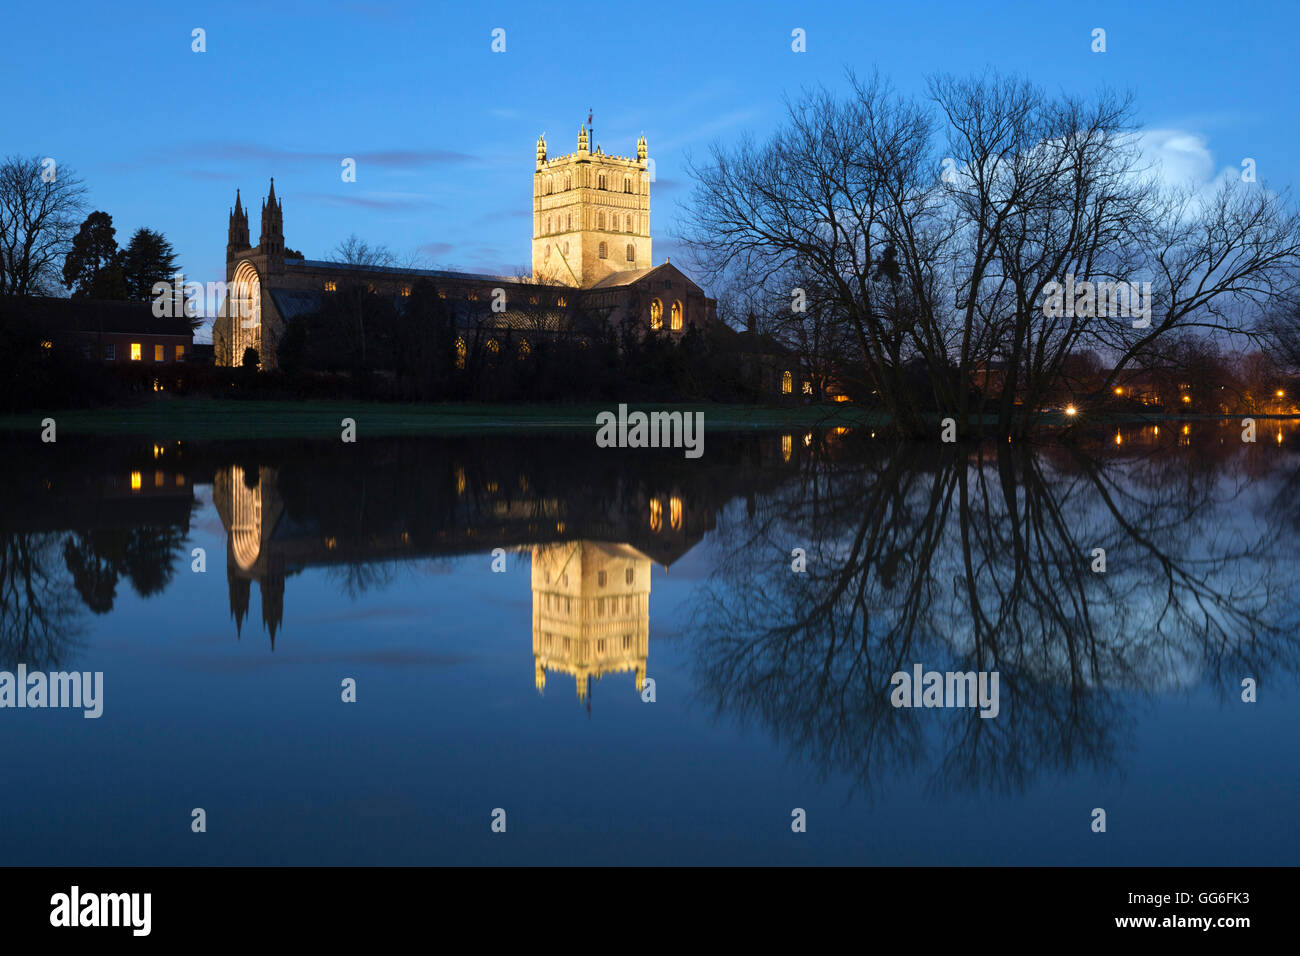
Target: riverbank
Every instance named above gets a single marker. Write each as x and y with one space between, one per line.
198 418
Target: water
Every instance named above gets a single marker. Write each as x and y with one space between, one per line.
478 690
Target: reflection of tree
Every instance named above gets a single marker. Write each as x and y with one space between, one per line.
38 610
98 559
983 563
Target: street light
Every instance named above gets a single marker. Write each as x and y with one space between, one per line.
1071 410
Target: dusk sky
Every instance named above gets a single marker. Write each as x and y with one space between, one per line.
443 130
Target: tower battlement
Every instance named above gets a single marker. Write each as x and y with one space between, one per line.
591 213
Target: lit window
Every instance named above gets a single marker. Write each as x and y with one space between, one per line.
807 388
135 481
675 513
180 353
787 446
47 344
406 290
601 251
159 353
493 346
158 479
524 349
677 315
656 314
656 514
787 383
562 302
180 481
460 363
331 286
135 351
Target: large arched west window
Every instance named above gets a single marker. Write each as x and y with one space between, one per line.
245 300
787 383
677 315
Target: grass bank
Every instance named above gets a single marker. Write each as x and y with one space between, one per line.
221 419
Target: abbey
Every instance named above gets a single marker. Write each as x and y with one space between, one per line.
591 260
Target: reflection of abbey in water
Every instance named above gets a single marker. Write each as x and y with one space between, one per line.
592 532
591 612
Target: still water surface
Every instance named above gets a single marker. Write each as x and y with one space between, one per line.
519 689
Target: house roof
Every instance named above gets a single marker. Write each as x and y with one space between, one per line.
96 315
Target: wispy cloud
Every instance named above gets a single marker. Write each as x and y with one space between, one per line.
375 200
387 159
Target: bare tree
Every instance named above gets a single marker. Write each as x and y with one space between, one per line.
1024 191
40 210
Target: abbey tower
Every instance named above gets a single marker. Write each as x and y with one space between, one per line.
591 214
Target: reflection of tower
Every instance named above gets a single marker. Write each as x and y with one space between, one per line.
591 611
249 507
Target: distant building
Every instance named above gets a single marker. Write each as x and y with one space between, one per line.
591 243
100 330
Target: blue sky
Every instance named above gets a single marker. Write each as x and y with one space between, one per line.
444 130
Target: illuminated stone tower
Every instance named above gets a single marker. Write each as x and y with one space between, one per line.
591 213
591 611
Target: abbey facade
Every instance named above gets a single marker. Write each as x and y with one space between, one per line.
591 254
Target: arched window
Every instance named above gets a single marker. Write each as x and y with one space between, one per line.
460 352
628 576
675 513
600 181
493 346
787 383
601 251
568 222
568 180
631 252
566 248
547 253
524 349
677 315
549 185
548 225
656 314
635 224
627 184
656 514
600 220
